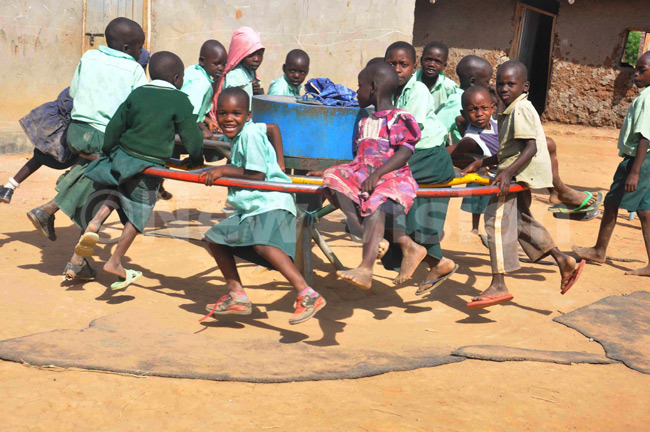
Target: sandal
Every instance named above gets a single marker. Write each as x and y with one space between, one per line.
86 244
131 276
79 272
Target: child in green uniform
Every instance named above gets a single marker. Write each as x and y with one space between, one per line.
295 68
263 228
630 189
445 92
430 164
140 135
102 81
522 155
199 78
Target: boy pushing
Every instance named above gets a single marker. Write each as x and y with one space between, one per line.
523 155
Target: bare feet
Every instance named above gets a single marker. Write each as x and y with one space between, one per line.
645 271
497 288
574 198
412 256
553 198
360 277
566 264
443 268
382 248
589 253
114 269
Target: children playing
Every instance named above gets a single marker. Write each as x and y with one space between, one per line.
429 164
295 68
630 189
378 181
140 135
199 79
481 139
445 92
102 81
522 155
263 228
245 56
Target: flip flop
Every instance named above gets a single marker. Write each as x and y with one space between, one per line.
489 300
435 282
86 244
131 276
578 216
582 208
569 281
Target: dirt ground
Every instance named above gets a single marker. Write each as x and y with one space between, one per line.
180 277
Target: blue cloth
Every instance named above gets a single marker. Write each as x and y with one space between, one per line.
46 126
145 57
323 90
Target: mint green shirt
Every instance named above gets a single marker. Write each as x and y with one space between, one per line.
447 102
636 124
417 100
281 87
251 150
243 78
102 81
197 85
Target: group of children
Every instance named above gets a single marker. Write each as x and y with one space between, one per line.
422 125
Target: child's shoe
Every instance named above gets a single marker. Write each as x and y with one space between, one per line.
6 194
228 305
306 307
79 272
43 222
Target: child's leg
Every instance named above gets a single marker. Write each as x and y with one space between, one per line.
644 217
93 227
7 191
412 253
476 219
114 264
560 191
236 301
373 232
349 209
598 253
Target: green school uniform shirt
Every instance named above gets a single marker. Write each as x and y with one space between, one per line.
635 125
252 150
145 124
102 81
446 102
417 100
243 78
282 87
197 85
520 121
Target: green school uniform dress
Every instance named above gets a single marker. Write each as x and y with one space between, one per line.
102 81
261 217
141 135
430 164
243 78
197 85
446 102
635 126
282 87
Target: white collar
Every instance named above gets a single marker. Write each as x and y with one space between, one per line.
162 83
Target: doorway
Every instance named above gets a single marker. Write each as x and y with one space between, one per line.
98 13
533 46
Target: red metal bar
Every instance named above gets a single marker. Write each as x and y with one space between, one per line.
195 177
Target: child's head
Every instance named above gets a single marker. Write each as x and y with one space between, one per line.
512 81
478 106
213 58
376 81
474 70
254 60
167 66
125 35
232 111
641 75
434 59
401 56
375 60
296 67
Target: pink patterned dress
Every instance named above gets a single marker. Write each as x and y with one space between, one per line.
378 138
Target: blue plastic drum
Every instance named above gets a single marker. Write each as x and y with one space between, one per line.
314 136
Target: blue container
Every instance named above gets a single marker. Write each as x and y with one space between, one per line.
309 130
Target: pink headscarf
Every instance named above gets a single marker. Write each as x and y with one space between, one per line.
245 41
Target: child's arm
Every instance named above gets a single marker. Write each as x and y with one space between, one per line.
230 171
207 134
459 152
503 178
275 137
633 177
257 88
398 160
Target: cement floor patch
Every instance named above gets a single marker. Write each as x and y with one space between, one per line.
502 353
123 342
621 324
